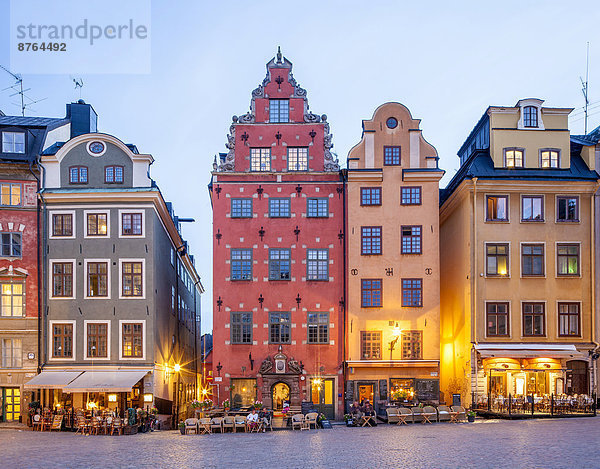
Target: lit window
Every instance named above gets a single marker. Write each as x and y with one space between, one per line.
13 142
12 300
297 159
567 259
97 279
497 259
97 340
133 336
10 194
131 279
370 345
260 159
97 224
549 158
513 158
497 208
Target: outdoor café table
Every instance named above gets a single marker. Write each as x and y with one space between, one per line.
367 420
453 417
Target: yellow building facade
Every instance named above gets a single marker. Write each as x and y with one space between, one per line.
517 259
393 301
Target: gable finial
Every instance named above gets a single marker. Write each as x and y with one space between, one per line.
278 54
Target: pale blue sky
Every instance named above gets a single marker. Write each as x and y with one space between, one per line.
446 61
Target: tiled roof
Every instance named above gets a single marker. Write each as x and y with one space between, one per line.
33 121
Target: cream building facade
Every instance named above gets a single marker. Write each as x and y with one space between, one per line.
517 259
393 302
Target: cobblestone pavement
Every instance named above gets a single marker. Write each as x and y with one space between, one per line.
568 443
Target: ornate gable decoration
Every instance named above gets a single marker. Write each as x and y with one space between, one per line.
279 62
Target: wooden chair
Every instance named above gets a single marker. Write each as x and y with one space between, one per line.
82 425
392 414
36 421
297 421
216 423
311 419
46 420
96 426
429 413
191 425
229 422
239 421
460 413
117 426
443 413
404 416
417 413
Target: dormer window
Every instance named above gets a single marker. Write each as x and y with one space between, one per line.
549 158
530 116
279 110
13 142
113 174
513 158
78 175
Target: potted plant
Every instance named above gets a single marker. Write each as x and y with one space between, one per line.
258 405
182 428
226 404
348 419
471 416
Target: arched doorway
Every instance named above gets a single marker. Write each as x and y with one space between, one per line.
577 377
281 393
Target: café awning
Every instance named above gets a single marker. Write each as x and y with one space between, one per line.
54 379
527 350
106 381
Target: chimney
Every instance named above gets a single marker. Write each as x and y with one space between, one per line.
83 118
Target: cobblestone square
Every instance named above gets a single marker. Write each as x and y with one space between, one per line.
568 443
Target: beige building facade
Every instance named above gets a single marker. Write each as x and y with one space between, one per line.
393 302
517 259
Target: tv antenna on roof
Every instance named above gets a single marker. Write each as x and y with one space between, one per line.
78 84
584 88
18 88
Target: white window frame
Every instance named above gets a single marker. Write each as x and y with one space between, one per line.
18 281
536 337
557 324
510 324
51 226
15 132
85 222
121 297
132 321
510 260
51 344
85 339
133 210
85 279
51 283
543 220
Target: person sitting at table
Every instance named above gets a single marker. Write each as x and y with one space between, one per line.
369 411
356 411
263 417
252 419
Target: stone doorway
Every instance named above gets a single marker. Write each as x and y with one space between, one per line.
280 394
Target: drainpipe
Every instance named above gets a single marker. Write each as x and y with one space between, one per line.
593 285
474 288
345 307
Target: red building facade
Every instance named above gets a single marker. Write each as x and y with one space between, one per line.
278 253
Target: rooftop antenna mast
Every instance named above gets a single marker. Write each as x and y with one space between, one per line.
78 84
18 87
584 88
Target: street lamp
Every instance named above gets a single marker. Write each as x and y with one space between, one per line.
396 333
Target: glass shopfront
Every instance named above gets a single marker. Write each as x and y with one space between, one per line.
243 392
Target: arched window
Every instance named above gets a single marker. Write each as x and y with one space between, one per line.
530 116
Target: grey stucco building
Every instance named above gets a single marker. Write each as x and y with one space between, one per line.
121 294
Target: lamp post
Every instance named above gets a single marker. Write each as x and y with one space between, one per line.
177 368
396 333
